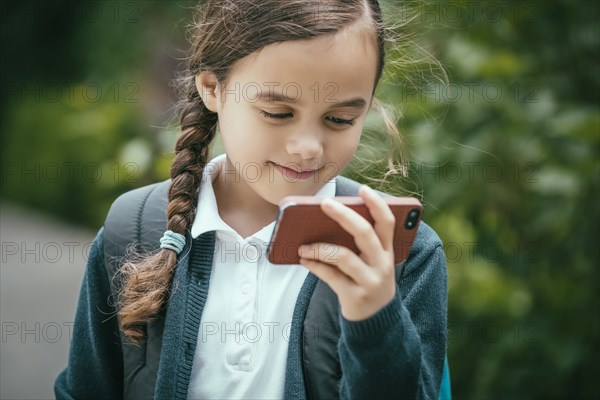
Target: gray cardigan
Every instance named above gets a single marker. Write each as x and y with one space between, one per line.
398 352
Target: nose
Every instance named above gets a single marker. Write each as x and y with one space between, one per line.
306 143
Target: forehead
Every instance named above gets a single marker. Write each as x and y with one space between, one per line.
342 64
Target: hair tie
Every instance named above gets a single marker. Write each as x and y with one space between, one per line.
173 241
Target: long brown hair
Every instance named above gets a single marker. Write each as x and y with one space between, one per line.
225 31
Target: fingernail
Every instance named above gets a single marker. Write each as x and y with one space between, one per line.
302 249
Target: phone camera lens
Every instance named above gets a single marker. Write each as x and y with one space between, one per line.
411 220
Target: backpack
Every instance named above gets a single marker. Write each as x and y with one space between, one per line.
140 217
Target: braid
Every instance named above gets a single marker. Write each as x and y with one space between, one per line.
147 281
198 127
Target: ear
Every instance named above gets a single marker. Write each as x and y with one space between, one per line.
207 86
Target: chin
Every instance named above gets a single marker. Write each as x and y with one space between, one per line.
274 196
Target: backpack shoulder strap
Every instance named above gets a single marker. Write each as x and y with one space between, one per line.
346 186
138 216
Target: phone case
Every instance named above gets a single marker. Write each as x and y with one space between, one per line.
301 221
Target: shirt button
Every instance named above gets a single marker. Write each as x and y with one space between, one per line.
245 366
232 359
245 288
252 252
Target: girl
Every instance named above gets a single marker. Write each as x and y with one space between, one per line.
288 84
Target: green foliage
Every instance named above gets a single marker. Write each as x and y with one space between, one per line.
65 156
505 156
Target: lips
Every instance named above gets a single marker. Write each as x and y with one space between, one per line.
290 173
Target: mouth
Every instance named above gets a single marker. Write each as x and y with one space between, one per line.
290 173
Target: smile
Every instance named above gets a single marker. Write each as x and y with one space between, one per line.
293 174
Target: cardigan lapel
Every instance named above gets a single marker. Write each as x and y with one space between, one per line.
189 291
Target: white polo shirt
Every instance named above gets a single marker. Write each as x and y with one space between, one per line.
244 330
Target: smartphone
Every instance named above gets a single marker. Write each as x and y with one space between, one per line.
301 221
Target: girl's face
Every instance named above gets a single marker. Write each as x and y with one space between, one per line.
300 104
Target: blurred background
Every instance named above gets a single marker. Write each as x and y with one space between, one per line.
504 155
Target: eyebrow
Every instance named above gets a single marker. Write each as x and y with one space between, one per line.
271 97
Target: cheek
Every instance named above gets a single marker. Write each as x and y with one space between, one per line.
239 128
344 147
341 151
346 156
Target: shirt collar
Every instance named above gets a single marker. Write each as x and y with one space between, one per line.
207 215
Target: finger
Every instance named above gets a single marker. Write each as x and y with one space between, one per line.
361 230
341 257
339 282
382 215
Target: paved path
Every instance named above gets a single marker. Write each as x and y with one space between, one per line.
42 264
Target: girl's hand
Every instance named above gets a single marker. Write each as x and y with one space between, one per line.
364 283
